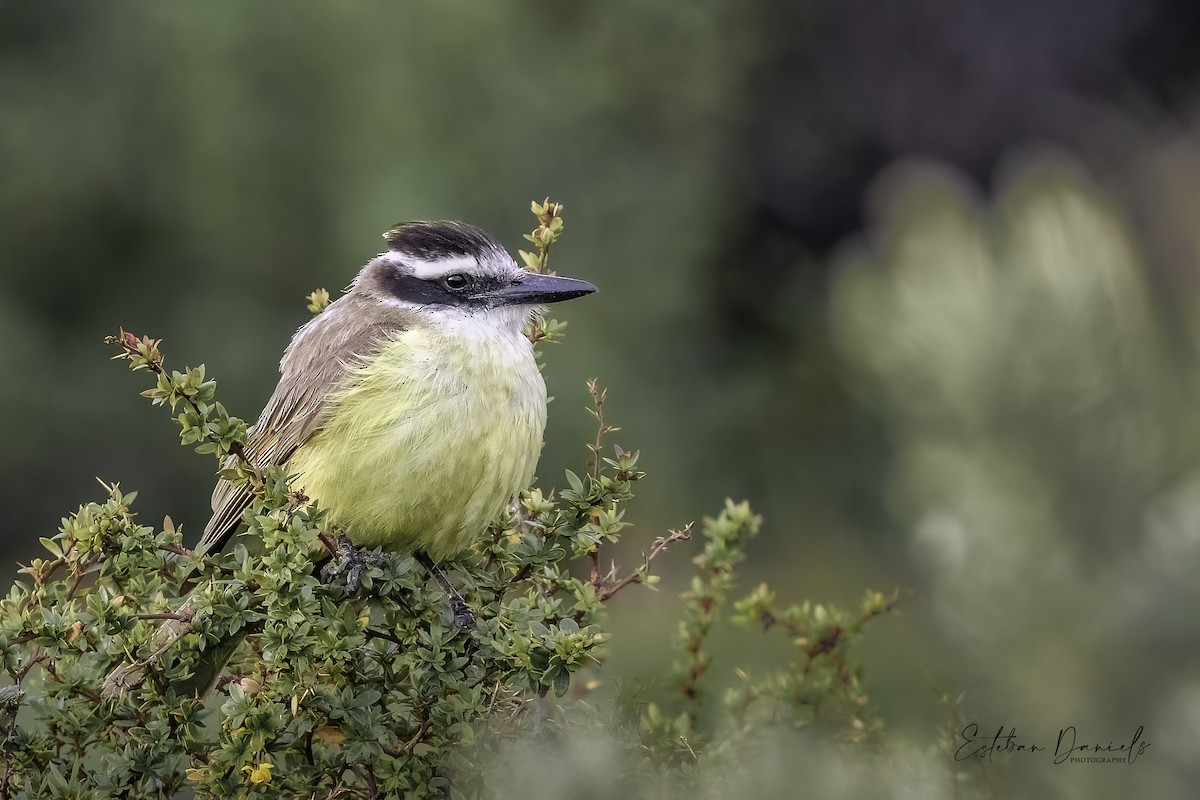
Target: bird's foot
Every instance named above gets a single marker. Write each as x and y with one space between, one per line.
464 618
351 560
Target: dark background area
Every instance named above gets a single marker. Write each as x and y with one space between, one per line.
917 279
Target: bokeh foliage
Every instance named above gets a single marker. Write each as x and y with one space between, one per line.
1043 416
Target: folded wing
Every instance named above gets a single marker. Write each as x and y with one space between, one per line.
314 367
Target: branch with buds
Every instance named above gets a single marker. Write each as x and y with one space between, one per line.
550 225
549 228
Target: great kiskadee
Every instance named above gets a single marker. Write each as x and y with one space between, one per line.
411 408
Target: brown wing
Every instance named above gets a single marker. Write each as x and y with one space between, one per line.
313 367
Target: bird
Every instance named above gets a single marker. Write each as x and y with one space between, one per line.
411 408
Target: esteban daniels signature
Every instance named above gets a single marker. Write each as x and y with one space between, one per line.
1068 747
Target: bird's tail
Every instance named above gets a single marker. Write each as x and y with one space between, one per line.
128 677
208 667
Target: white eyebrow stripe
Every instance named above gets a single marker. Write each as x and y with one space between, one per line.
397 302
433 269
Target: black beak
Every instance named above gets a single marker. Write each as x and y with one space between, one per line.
535 289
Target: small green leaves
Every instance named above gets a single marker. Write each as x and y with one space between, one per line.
822 673
725 538
547 656
381 685
378 693
203 422
141 353
549 331
550 225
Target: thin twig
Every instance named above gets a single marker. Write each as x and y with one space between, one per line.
604 592
38 656
329 544
75 584
416 739
130 676
382 635
602 427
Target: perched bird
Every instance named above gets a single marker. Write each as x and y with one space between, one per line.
411 408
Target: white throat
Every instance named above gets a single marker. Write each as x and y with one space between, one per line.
500 322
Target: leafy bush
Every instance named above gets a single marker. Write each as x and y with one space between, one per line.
377 693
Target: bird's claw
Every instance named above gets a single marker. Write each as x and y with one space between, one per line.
350 560
464 619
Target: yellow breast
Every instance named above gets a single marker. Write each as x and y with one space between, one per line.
428 441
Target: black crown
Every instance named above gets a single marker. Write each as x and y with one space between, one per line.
430 241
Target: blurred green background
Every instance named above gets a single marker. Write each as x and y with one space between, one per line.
918 280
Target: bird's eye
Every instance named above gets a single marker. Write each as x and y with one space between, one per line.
455 282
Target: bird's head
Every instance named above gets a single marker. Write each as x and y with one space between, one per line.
451 271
